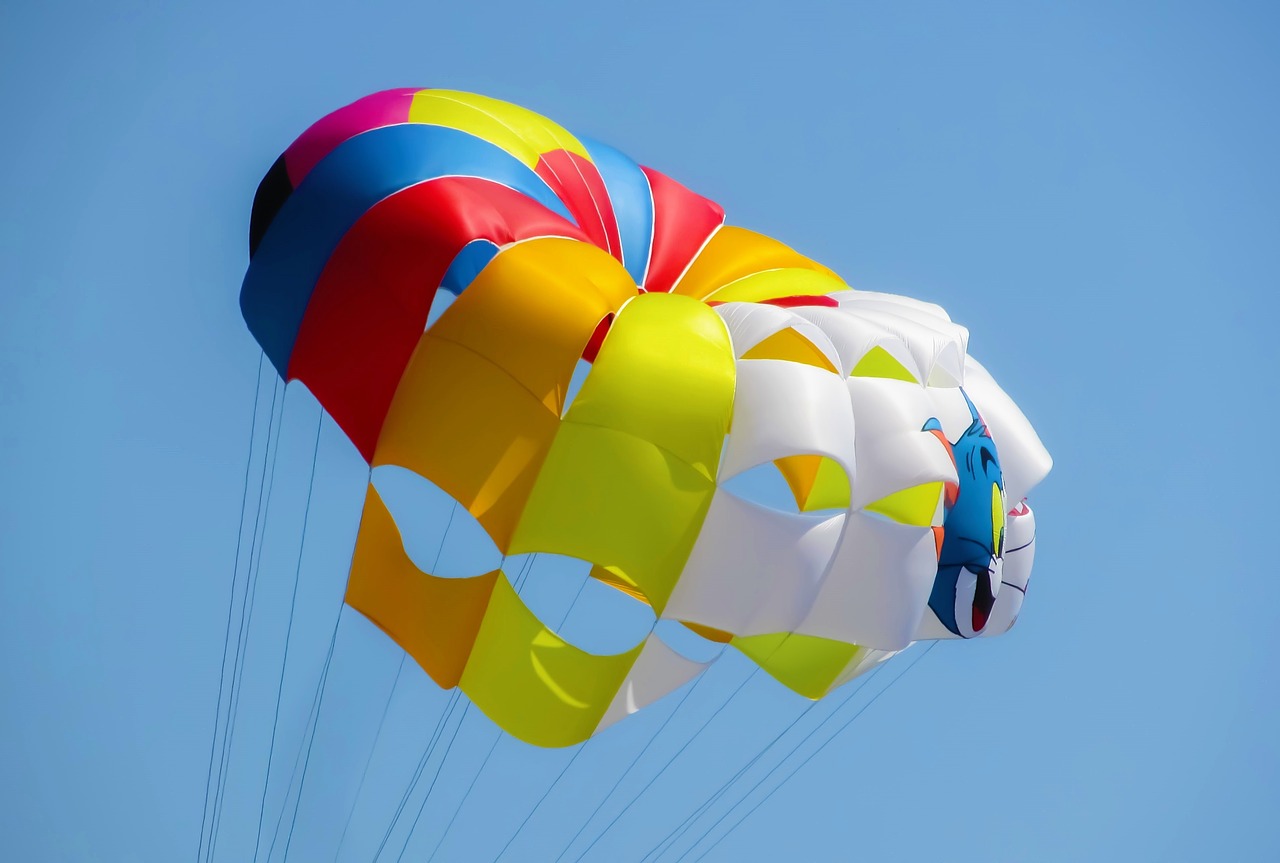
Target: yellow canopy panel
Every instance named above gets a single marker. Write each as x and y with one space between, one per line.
478 634
479 403
734 253
521 132
627 481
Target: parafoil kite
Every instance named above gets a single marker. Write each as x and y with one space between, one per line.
714 350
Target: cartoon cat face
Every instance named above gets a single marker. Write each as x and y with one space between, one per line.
970 560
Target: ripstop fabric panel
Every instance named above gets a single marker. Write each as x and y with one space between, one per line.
386 108
434 619
877 586
519 131
371 301
682 222
479 404
630 475
754 570
802 663
657 671
627 188
786 409
478 634
533 683
556 156
469 427
532 310
577 183
356 175
895 453
735 253
1023 458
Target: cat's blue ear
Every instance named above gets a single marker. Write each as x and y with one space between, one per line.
931 424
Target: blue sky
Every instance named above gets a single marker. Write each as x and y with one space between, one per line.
1090 187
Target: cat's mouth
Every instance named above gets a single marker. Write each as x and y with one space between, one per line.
983 601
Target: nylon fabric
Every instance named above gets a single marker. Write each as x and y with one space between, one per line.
434 619
613 364
356 175
682 223
776 284
519 131
784 409
876 587
658 671
816 482
627 188
629 477
502 394
754 570
372 299
735 253
804 664
532 683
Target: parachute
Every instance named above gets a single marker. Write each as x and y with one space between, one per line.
615 357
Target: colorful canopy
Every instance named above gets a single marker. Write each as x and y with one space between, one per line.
713 350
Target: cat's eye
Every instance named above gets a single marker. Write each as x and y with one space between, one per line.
997 520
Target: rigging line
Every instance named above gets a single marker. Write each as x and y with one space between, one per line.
365 773
634 761
496 738
680 829
237 668
261 515
576 597
445 715
668 763
235 575
439 767
306 762
798 767
572 759
284 662
313 722
543 798
684 826
483 764
444 536
313 717
297 763
525 569
673 757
